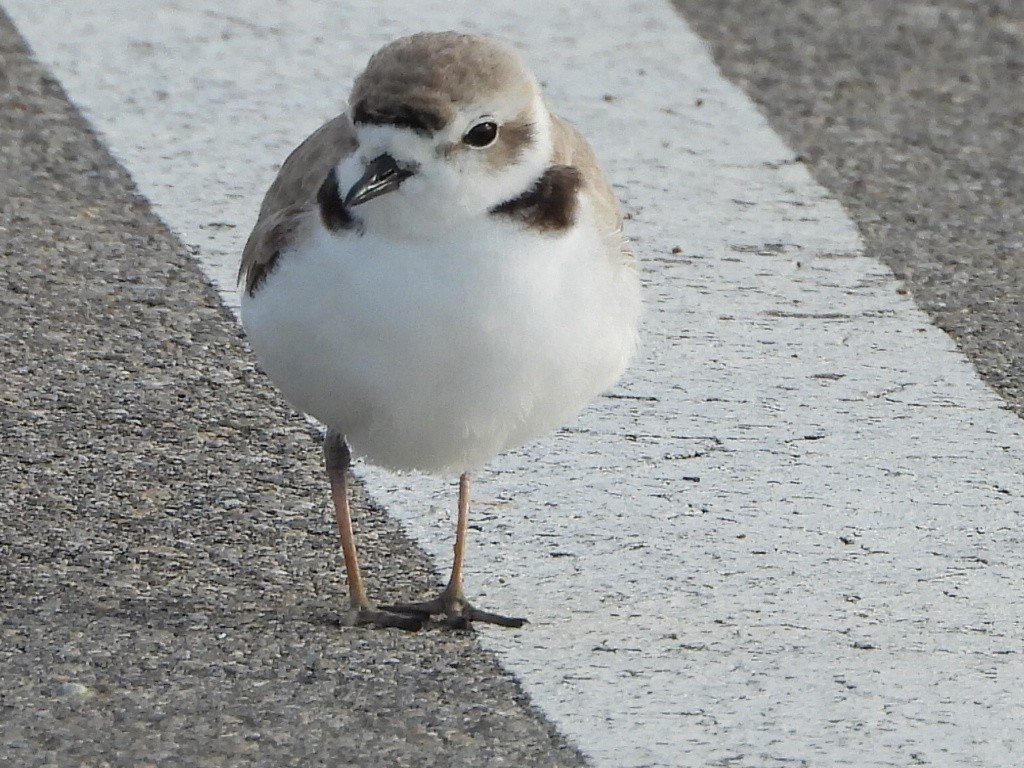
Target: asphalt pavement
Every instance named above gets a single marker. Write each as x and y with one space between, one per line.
912 115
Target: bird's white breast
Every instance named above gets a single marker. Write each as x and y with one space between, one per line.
438 354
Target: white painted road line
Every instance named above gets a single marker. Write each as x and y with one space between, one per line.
793 534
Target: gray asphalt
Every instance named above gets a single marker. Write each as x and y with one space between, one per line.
170 576
912 115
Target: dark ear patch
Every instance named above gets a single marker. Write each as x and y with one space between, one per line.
550 204
516 136
333 213
513 139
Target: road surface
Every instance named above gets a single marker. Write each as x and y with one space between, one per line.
791 537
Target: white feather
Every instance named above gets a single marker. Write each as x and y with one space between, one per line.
439 353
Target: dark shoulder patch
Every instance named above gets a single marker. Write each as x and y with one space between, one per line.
550 204
333 213
418 118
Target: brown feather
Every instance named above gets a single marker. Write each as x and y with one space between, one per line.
421 80
548 206
291 200
572 149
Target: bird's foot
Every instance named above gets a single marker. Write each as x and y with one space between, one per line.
366 615
455 610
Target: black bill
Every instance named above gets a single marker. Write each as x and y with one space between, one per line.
383 175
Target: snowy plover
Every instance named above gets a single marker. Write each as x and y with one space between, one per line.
439 275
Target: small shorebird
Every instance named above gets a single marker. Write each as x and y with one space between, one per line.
438 275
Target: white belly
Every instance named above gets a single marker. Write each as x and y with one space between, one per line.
438 356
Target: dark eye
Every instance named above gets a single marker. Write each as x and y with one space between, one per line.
481 135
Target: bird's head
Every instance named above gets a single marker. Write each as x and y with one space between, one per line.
448 126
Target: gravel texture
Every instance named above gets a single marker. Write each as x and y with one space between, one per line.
170 577
912 114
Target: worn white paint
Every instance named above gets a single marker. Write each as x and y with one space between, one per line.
843 585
